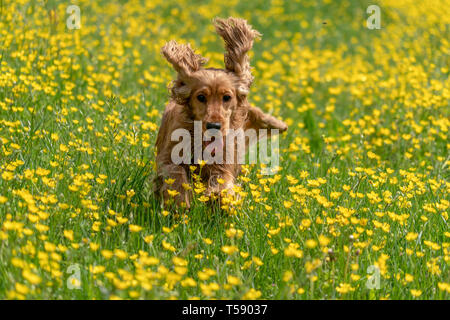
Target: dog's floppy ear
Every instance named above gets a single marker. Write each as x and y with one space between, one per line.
183 58
238 36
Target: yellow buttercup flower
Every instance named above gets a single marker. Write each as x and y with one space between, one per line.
134 228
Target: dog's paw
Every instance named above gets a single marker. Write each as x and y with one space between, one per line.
283 126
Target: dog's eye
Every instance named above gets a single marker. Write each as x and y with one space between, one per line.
201 98
226 98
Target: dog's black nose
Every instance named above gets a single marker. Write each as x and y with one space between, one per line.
213 125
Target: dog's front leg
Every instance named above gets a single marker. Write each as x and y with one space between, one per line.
257 119
220 183
174 184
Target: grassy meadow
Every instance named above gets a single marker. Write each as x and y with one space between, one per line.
357 210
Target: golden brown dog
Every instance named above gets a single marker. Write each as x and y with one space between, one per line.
217 98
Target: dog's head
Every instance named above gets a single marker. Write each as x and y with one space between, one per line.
214 95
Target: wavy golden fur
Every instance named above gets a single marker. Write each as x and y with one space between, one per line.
217 96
